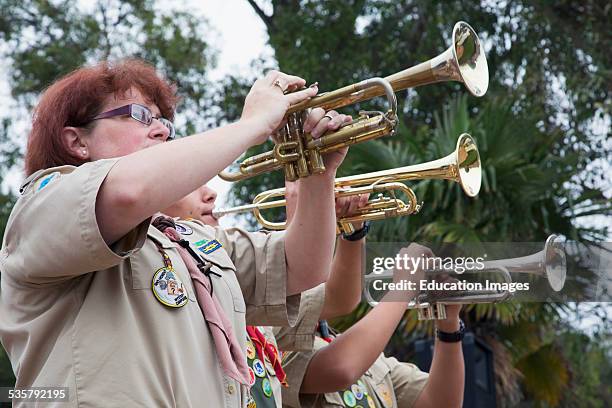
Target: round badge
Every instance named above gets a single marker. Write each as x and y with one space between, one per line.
250 350
251 402
357 391
349 399
269 367
370 402
168 288
266 387
251 377
362 385
386 395
258 368
183 229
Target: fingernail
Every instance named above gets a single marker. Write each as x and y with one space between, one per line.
315 85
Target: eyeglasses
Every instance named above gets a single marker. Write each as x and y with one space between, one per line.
139 113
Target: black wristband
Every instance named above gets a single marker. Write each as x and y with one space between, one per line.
359 234
453 337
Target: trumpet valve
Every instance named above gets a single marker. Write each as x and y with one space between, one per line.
436 311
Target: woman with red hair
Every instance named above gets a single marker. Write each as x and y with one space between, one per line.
121 312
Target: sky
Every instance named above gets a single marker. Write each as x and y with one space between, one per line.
237 48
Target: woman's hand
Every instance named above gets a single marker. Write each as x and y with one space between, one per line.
348 206
318 123
268 100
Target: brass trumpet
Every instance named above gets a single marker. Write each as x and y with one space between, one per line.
461 166
300 155
550 262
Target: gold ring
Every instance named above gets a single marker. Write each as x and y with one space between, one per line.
328 116
278 83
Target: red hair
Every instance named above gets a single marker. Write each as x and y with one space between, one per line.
75 99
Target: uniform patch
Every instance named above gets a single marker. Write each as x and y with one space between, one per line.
371 402
357 391
250 351
349 399
208 246
259 368
386 395
251 377
44 181
269 366
183 229
168 288
266 387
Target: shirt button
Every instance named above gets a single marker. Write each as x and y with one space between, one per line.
230 388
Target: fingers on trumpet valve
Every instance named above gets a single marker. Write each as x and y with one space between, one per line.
318 121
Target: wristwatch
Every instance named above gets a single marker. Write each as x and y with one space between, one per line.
453 337
359 234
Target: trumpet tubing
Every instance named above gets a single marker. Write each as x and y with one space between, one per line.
462 166
300 155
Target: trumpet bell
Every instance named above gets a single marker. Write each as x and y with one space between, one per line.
555 263
469 53
468 164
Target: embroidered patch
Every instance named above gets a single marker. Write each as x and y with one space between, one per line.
44 181
183 229
349 398
168 288
266 387
207 246
259 368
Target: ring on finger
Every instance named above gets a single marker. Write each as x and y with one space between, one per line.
328 116
278 83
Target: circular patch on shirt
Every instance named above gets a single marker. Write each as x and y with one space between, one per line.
370 402
266 387
269 367
386 395
168 288
259 369
349 399
183 229
363 387
250 350
251 402
251 377
357 391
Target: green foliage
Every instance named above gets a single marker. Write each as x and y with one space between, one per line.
43 40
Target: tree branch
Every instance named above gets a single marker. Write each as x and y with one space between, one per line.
265 18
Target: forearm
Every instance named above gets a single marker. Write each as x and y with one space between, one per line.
345 359
343 288
309 240
147 181
447 374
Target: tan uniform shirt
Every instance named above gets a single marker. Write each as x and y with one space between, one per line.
388 383
75 313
